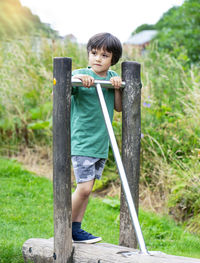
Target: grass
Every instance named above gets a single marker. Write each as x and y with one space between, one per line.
26 208
161 233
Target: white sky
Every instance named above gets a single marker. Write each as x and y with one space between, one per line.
84 18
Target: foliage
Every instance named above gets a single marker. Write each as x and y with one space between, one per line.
179 31
18 21
171 133
184 201
180 27
26 93
170 105
27 212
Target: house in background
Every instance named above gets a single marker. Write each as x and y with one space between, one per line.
139 41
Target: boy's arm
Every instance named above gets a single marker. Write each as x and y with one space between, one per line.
118 100
117 82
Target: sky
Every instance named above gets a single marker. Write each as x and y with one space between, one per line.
85 18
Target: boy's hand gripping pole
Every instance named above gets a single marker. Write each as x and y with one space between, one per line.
122 173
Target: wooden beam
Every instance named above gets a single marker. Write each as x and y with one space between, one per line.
41 251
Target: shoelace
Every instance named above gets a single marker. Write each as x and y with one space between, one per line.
81 231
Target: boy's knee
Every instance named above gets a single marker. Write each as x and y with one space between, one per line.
85 190
85 193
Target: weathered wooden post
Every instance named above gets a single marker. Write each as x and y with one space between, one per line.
131 135
62 160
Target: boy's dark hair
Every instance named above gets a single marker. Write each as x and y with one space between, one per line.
109 43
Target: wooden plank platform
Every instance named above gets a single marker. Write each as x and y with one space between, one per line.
39 250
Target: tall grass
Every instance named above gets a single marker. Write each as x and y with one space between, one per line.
26 88
25 92
171 134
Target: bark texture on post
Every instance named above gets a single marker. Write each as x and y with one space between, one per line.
131 135
62 160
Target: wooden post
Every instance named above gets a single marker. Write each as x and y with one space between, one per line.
62 160
131 135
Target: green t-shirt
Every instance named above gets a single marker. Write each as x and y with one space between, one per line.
89 136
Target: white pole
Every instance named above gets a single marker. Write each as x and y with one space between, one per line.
122 173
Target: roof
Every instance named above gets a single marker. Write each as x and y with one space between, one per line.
142 37
71 37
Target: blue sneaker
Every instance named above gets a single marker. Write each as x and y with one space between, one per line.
81 236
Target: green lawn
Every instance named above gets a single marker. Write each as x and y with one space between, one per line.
26 211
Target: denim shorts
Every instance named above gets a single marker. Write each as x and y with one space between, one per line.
87 168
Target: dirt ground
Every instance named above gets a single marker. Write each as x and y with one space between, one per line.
37 160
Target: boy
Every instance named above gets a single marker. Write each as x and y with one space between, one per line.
89 137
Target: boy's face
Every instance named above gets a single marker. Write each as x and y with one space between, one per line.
100 61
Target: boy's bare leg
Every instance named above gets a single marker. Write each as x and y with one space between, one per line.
80 200
79 203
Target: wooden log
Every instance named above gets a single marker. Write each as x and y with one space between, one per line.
62 160
38 250
41 251
131 135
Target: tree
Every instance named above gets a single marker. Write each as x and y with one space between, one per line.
16 21
180 28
